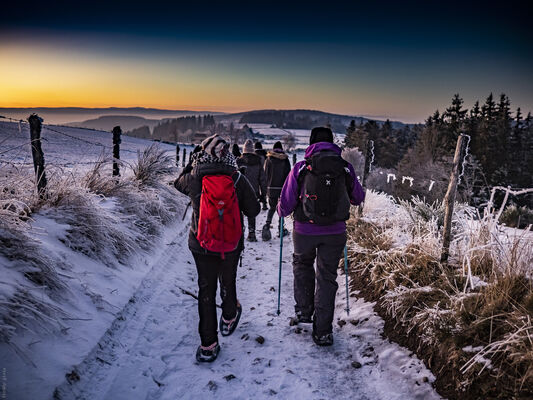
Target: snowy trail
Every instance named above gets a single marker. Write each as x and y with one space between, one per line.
148 353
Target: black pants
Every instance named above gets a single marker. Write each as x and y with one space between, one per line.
211 268
272 202
251 224
319 298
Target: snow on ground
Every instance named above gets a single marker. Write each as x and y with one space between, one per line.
149 351
96 294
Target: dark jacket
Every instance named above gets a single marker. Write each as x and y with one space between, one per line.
190 184
277 167
250 164
261 153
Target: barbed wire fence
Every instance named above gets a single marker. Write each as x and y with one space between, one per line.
19 139
391 178
22 147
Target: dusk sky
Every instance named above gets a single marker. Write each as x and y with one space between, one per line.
389 60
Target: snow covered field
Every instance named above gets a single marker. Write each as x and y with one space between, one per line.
128 331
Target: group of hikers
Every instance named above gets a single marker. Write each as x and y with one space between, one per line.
223 185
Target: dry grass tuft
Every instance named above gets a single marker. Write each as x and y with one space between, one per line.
151 164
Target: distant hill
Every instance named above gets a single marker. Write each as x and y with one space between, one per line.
107 122
298 119
91 117
65 115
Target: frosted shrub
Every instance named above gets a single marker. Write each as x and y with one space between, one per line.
482 299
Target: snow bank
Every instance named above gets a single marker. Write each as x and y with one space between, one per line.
71 261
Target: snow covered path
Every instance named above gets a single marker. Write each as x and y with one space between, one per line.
148 353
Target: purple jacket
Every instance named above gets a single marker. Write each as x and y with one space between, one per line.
290 196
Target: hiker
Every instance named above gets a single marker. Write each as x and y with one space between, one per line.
319 190
252 167
235 150
258 149
219 194
277 168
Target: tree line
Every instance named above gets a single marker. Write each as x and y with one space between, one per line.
182 129
500 149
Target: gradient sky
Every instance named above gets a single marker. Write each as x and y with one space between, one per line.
398 60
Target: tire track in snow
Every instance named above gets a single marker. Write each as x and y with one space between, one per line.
97 372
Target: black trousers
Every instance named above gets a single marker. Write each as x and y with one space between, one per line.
251 224
211 269
272 202
320 297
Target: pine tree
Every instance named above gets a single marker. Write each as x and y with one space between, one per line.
488 109
455 114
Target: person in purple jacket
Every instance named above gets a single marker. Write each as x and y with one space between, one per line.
319 192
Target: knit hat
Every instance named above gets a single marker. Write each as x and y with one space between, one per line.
258 146
278 145
248 146
321 134
215 146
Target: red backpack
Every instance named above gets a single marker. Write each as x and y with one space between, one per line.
219 223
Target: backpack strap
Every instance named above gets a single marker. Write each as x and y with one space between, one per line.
301 173
238 178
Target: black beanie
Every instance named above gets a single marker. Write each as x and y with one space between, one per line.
321 134
278 145
258 146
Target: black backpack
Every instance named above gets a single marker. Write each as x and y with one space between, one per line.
324 184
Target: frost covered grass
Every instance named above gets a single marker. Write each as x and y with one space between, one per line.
482 299
108 219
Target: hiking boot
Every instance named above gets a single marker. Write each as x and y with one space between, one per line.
251 237
285 232
207 353
227 327
265 233
325 340
303 319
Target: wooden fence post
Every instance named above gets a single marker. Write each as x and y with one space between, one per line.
366 171
37 153
368 158
184 157
116 149
449 200
293 159
177 155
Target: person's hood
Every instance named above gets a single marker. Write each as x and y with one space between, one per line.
279 154
261 152
322 146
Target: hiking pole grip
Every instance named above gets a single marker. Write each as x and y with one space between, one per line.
346 276
280 260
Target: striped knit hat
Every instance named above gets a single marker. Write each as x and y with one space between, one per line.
215 146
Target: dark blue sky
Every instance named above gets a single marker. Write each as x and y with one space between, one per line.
418 54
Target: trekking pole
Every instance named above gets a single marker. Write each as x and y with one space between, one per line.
280 260
346 275
185 291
